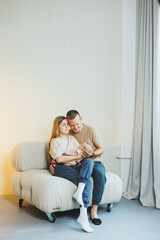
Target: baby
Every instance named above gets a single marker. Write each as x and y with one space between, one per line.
78 150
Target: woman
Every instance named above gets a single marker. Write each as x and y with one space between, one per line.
67 166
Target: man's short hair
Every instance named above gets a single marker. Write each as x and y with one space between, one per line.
72 114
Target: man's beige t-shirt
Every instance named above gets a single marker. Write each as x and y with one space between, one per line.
62 145
90 136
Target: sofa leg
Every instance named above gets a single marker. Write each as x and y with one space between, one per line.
20 202
109 207
51 217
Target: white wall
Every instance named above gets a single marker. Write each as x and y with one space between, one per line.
127 87
128 75
55 56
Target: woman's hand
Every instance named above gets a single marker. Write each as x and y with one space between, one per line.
51 169
80 157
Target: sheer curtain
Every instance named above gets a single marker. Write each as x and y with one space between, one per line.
144 180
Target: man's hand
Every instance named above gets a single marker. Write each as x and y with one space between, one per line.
86 153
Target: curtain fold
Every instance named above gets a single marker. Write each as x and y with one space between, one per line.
144 179
156 103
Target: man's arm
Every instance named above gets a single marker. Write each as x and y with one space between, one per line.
99 150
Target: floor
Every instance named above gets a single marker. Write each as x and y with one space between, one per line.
128 220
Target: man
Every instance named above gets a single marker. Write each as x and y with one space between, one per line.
87 134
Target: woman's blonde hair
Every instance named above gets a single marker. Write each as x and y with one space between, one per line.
55 129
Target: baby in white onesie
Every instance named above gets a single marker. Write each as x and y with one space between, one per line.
78 150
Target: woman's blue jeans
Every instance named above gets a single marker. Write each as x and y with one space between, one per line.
82 173
76 174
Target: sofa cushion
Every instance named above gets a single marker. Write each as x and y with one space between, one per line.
51 194
30 155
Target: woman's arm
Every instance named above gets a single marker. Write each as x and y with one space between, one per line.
71 163
65 158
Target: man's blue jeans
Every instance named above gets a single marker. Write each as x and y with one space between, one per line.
77 174
99 179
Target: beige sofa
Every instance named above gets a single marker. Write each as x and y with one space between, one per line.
33 182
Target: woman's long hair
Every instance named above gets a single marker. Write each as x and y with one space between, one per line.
55 130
